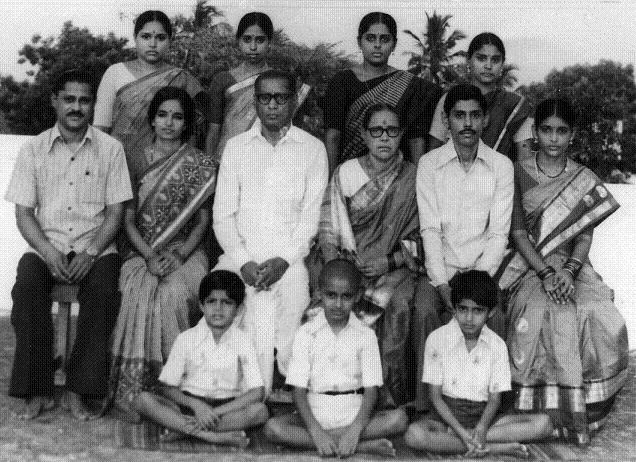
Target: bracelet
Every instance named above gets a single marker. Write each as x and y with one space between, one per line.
545 272
573 266
392 263
177 254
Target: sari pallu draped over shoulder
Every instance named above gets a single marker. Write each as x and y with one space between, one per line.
372 223
241 112
507 111
390 91
130 111
155 310
566 360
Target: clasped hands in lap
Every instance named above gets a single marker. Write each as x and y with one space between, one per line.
263 276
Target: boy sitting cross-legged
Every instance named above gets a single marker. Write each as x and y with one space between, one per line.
335 371
466 368
213 387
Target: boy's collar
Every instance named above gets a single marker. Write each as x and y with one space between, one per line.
457 335
203 330
320 320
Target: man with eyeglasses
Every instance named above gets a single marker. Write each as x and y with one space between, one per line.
464 196
267 204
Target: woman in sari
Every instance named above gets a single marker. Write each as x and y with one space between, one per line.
165 224
232 92
368 211
127 88
567 341
351 91
509 129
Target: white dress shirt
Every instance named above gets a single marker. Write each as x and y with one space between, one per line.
268 198
199 365
464 216
70 189
323 361
466 374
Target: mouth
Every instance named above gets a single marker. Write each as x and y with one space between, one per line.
467 133
377 54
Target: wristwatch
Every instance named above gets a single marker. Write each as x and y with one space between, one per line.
92 251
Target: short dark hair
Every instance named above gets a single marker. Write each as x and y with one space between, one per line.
340 266
474 285
73 75
377 17
486 38
228 281
255 18
559 107
276 74
464 92
151 16
379 107
187 104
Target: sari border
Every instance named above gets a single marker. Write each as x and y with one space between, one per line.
510 119
158 164
141 80
240 85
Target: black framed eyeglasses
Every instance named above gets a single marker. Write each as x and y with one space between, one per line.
280 98
376 132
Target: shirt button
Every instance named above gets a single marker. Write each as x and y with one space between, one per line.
70 229
71 183
70 208
72 159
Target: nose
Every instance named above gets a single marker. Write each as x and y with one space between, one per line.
253 45
488 64
385 135
468 121
272 103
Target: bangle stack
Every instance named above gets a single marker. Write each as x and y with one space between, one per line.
573 266
546 272
392 263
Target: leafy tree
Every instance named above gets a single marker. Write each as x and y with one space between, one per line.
26 104
434 59
605 97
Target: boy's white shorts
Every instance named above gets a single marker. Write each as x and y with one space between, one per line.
334 411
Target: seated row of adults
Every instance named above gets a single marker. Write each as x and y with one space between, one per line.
70 185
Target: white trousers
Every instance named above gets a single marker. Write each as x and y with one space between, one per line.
272 316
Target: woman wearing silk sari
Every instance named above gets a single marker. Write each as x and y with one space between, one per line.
567 341
127 88
369 209
165 224
351 91
232 92
509 128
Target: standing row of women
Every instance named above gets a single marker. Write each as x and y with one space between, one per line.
379 121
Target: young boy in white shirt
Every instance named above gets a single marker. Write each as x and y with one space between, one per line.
466 367
213 388
335 371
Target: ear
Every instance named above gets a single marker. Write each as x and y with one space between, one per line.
491 313
445 119
486 119
534 131
53 99
359 295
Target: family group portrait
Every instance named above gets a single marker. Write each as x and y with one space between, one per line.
280 231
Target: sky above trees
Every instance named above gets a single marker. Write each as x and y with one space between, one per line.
539 34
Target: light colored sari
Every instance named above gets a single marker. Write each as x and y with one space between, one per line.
155 310
130 111
240 112
567 360
372 223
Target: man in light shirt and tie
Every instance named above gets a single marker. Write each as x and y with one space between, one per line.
464 195
267 204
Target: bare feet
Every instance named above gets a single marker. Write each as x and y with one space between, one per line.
72 402
33 407
234 438
517 450
168 436
381 447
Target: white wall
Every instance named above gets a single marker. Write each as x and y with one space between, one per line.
613 253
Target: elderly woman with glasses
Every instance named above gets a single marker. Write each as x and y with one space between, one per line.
370 216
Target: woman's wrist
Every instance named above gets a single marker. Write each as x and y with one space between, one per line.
546 272
179 256
392 263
